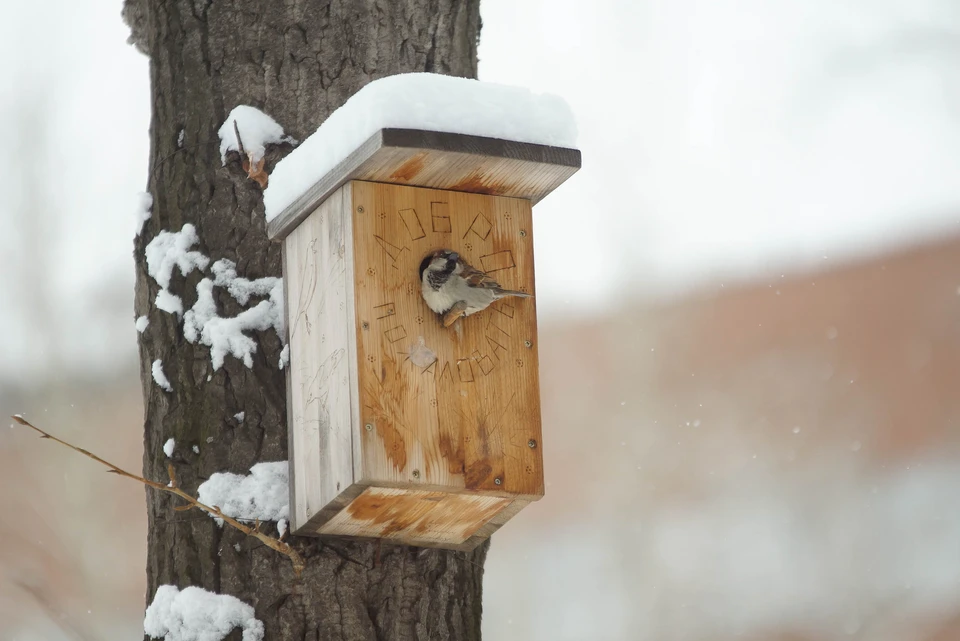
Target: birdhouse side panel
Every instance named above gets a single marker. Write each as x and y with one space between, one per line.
318 273
454 407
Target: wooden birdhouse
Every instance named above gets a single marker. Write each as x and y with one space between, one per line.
401 428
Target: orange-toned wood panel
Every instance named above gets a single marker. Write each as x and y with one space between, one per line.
415 516
457 407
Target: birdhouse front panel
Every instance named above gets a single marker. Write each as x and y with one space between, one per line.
455 408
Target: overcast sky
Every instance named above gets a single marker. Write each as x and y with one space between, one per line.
732 137
721 139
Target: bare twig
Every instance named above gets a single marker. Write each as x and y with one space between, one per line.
236 130
172 488
252 166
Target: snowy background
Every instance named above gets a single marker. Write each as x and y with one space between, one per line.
730 148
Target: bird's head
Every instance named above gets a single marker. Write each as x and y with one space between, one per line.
444 260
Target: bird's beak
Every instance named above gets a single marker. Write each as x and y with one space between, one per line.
453 256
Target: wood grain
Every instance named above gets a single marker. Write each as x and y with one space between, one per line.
469 415
317 265
443 161
416 516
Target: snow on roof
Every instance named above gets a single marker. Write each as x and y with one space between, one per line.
425 101
194 614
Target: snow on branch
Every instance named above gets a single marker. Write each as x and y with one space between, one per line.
173 488
256 129
242 289
169 303
263 495
194 614
172 249
159 377
224 335
248 131
142 212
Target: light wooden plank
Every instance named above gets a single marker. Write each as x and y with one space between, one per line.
415 517
292 444
495 523
443 161
471 418
318 526
320 324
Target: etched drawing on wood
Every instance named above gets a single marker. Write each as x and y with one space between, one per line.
464 419
402 428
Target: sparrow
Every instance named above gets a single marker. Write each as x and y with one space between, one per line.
453 288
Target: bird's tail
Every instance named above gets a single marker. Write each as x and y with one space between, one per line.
503 293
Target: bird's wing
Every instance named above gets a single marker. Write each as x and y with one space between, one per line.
476 278
454 313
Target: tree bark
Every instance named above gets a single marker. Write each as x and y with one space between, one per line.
297 61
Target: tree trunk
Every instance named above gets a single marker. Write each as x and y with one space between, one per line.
297 61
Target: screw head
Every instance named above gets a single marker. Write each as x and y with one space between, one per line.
527 343
498 481
360 209
523 232
368 427
365 325
416 474
532 444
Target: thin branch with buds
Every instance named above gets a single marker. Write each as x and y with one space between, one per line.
172 488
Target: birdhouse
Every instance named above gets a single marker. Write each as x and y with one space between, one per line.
401 428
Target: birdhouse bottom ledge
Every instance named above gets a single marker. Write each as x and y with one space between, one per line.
425 517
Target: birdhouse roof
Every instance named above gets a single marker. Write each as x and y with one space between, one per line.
429 130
